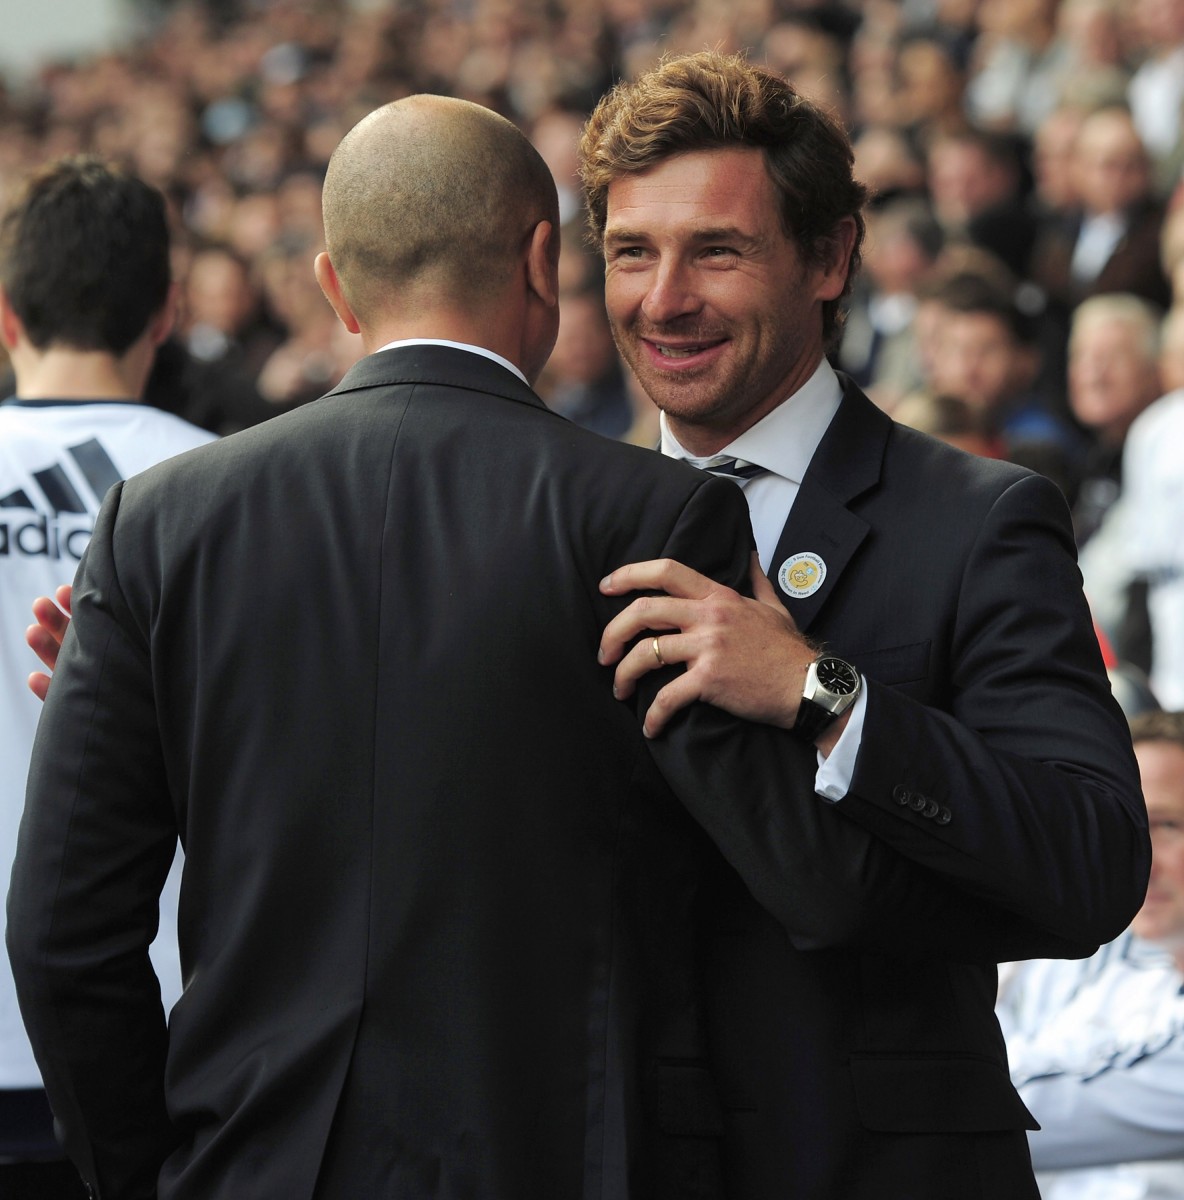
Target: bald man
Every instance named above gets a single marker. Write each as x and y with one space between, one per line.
435 920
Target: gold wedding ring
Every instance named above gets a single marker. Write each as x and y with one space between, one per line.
657 652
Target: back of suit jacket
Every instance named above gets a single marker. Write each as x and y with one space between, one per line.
434 918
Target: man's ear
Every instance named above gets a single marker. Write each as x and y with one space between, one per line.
331 285
833 275
542 264
11 327
162 324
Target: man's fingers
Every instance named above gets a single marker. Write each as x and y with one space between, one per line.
653 613
43 644
51 618
64 596
646 656
39 685
660 575
677 694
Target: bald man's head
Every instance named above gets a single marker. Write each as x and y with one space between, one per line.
432 199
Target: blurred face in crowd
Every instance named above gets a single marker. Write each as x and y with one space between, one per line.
1161 771
1112 377
1111 170
977 358
584 349
965 180
1052 158
1160 23
894 258
217 291
710 302
929 84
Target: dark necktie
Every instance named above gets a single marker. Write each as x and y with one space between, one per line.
737 469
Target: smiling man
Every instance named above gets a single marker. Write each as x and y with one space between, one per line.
975 798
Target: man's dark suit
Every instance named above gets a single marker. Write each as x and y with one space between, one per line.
435 915
858 1052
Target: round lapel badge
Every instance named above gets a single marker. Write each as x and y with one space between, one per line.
801 575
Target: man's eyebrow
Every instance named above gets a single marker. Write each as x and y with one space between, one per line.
706 236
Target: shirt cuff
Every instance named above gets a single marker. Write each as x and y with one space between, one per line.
835 772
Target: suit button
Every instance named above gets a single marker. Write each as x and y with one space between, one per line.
944 816
917 802
900 794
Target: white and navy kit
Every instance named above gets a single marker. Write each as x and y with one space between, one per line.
57 460
1103 1073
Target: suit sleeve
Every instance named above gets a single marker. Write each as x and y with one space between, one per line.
832 877
95 845
1030 773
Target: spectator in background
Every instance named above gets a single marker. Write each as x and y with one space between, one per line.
1157 87
555 134
316 351
977 184
227 339
584 379
85 300
809 48
1097 1048
986 355
879 348
950 419
1111 241
1114 346
1147 526
930 76
887 162
1054 193
1013 84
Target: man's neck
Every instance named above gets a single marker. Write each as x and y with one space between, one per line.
67 374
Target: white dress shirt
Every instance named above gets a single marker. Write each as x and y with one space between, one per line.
783 442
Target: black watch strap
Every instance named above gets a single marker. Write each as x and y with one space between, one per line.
812 720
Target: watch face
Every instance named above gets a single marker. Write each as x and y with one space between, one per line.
837 676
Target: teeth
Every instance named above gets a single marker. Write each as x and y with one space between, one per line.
684 352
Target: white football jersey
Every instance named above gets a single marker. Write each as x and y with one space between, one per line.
57 460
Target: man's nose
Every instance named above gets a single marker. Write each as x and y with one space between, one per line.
671 294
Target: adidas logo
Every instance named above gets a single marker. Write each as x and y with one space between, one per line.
64 530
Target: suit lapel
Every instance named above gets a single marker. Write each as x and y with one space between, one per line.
822 533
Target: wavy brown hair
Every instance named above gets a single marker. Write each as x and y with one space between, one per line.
711 101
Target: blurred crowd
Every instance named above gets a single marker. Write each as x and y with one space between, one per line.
1023 283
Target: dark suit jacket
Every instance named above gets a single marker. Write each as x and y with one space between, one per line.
994 814
435 920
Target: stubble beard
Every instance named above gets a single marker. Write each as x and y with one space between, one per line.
694 396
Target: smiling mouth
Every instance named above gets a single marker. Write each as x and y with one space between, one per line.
687 350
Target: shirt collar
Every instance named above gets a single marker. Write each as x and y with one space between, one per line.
784 440
497 358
